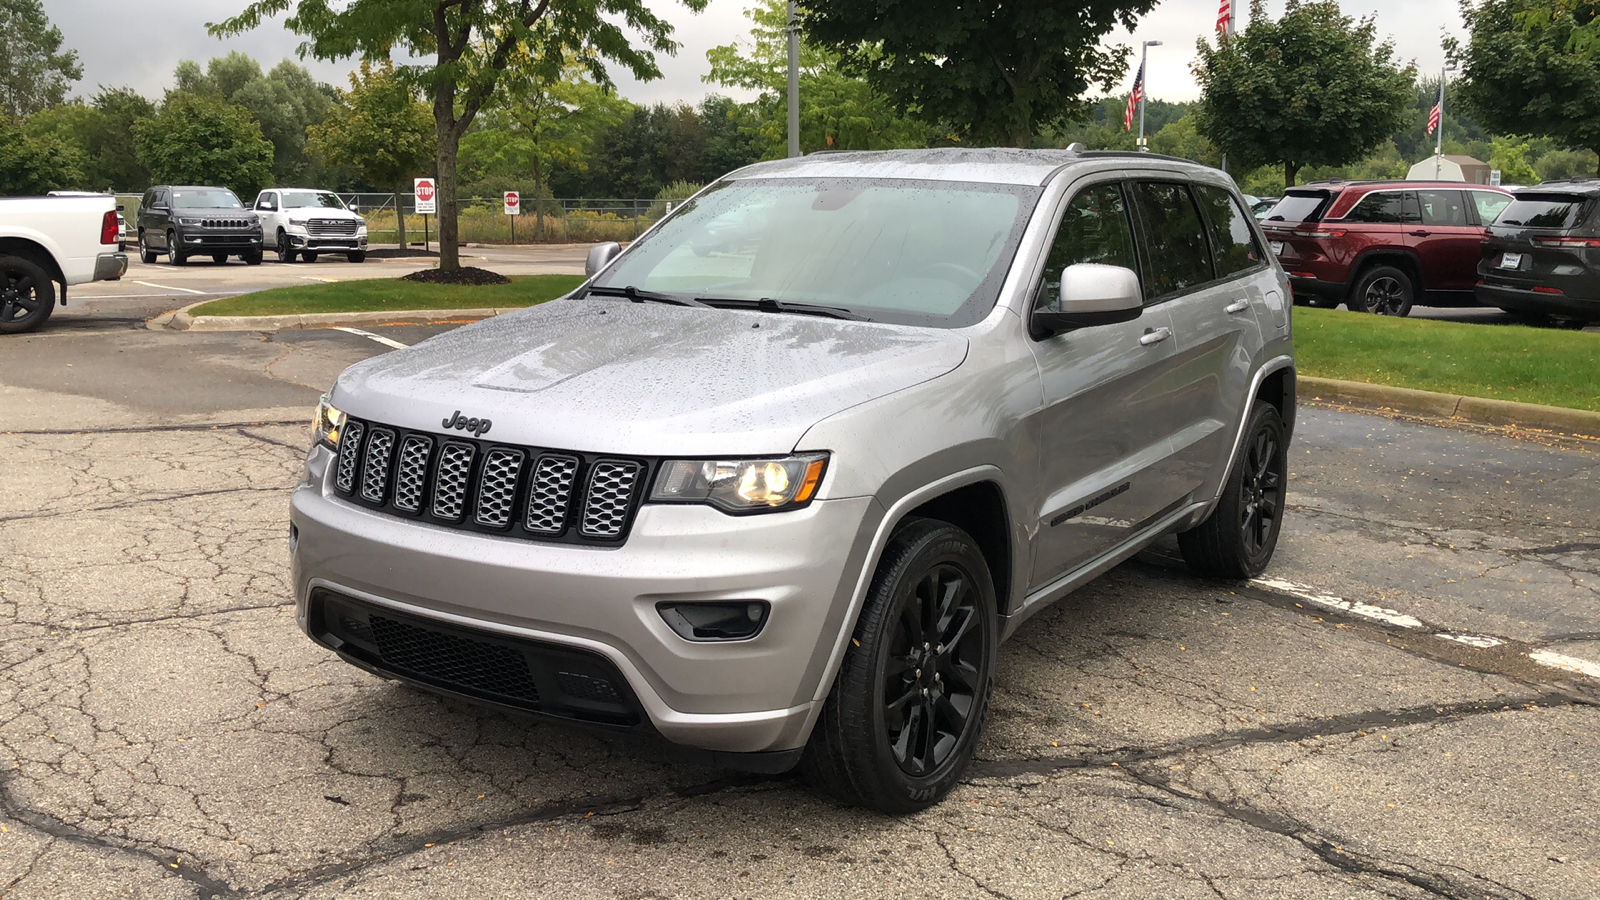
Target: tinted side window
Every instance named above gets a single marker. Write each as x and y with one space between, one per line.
1233 244
1489 205
1442 208
1174 241
1094 229
1379 207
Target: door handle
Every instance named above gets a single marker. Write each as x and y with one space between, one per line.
1153 336
1420 233
1237 306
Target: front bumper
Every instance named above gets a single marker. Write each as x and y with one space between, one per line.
750 696
1514 299
201 242
110 266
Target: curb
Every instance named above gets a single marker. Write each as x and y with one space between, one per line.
182 320
1580 422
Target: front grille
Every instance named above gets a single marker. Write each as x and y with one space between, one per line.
227 223
524 492
538 676
331 227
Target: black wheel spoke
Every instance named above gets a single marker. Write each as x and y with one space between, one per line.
953 634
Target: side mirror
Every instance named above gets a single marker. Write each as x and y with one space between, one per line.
1089 294
600 256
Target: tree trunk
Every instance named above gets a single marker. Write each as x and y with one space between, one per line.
1290 170
445 193
538 200
400 214
1021 125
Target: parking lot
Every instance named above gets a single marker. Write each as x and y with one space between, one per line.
1407 706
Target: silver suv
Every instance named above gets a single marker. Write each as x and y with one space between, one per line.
777 480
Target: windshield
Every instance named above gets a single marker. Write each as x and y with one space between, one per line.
1542 211
312 199
891 250
1298 207
205 198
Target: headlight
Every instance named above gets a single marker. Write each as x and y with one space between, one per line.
184 221
300 222
741 485
329 422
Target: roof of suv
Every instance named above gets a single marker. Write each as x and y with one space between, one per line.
1588 187
994 165
1391 183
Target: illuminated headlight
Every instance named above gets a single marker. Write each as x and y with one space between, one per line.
329 422
741 485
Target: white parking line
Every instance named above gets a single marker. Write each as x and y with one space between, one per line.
1566 663
387 342
139 296
169 288
1481 641
1354 607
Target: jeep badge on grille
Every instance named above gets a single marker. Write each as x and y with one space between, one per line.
478 427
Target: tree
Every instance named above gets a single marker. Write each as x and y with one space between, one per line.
993 73
733 138
379 129
1313 88
200 139
31 165
1528 80
649 149
34 72
110 163
285 101
470 44
1510 156
1182 138
837 111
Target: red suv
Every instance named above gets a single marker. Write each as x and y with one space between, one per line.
1382 246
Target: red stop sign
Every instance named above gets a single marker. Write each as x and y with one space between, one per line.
424 190
512 198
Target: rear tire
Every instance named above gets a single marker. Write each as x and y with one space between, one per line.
308 256
253 258
27 295
902 720
1383 290
219 258
357 257
1237 539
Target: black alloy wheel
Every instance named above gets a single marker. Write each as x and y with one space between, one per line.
286 253
1239 536
903 717
146 254
1384 291
27 295
934 670
174 255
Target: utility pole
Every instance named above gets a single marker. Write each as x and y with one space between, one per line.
1144 88
794 82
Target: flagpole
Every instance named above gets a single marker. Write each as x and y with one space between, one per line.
1144 86
1226 34
1438 148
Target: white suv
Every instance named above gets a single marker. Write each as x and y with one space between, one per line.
304 222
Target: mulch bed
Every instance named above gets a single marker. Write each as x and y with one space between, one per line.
469 275
401 253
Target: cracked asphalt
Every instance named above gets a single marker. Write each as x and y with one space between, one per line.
167 732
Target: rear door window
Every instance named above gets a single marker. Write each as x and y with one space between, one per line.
1489 205
1379 208
1299 206
1176 254
1443 208
1233 242
1543 211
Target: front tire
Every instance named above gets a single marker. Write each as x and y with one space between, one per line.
286 251
1237 539
902 721
1383 290
174 255
219 258
253 258
27 295
146 255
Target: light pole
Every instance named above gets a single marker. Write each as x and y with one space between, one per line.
1438 147
794 83
1144 84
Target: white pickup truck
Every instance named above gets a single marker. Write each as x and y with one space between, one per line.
48 243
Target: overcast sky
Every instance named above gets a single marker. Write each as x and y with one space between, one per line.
138 45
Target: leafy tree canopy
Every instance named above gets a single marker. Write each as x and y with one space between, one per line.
378 130
1529 80
1313 88
35 73
30 166
995 73
285 101
201 139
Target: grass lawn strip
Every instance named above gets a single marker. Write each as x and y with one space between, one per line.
1546 366
387 294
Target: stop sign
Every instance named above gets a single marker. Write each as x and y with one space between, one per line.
513 203
425 195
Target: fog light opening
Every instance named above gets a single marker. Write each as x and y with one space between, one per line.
733 620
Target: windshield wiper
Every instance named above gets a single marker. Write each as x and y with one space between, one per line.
638 296
768 304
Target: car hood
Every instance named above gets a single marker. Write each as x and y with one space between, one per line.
609 376
226 212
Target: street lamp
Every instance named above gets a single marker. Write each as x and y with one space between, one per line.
1438 148
1144 84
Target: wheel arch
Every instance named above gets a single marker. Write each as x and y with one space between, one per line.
979 509
33 252
1403 259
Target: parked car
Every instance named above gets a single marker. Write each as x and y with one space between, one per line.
49 243
1383 246
185 221
1262 206
305 222
784 508
1542 255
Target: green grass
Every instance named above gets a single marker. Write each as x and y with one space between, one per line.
1501 362
384 294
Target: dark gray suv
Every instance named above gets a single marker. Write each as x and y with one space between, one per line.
184 221
777 481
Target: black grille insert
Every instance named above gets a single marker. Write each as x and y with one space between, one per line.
459 661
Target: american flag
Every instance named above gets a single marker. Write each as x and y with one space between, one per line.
1133 99
1438 107
1225 17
